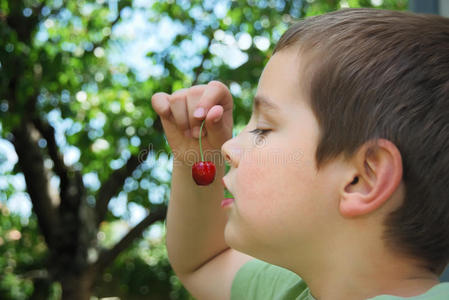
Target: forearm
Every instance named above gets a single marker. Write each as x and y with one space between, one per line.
195 220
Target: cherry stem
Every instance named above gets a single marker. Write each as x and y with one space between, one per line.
201 148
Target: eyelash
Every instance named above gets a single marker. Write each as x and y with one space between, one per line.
259 131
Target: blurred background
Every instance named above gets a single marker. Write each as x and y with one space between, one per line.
84 166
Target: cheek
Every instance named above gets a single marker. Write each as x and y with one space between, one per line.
274 193
250 227
272 204
257 185
273 177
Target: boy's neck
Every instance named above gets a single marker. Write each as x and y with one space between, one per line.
354 288
355 273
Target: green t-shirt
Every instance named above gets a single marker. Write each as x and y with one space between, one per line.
259 280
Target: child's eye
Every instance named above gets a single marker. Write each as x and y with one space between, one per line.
259 131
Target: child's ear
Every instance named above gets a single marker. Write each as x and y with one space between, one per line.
376 174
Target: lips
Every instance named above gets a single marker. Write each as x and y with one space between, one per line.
226 202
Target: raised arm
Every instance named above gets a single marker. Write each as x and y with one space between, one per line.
196 247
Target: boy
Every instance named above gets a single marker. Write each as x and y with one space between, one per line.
362 212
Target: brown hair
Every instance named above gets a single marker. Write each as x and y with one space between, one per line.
373 74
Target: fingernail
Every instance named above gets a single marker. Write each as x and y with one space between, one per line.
216 120
187 133
199 112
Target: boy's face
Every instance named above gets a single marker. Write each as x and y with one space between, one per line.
282 205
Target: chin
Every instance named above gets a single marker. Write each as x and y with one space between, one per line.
243 244
234 238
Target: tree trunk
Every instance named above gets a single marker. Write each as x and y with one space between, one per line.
77 287
41 289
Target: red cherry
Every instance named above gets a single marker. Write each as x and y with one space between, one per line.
203 172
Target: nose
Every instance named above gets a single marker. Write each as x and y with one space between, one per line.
230 153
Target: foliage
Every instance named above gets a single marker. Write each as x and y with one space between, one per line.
23 253
141 271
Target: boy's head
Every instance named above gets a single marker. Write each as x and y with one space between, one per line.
385 74
366 75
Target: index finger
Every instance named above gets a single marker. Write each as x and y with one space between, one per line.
160 104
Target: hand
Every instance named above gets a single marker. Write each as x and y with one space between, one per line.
181 126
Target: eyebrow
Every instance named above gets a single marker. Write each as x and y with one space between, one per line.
263 102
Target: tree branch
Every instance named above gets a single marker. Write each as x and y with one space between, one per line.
22 25
48 132
115 182
32 165
106 38
106 257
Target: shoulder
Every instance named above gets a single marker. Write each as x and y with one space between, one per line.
259 280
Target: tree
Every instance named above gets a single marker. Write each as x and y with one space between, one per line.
36 74
55 69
